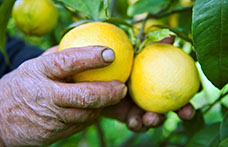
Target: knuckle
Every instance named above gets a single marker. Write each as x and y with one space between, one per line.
65 62
27 65
31 68
57 63
91 98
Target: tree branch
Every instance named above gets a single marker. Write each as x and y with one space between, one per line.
140 36
100 134
164 14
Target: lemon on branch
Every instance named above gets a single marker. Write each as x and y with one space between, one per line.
35 17
163 78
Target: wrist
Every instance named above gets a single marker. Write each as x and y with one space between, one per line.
1 141
2 144
5 92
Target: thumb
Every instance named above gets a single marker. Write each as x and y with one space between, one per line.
74 60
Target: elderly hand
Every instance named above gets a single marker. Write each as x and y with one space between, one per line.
135 118
37 106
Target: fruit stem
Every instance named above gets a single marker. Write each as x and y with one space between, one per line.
141 46
139 37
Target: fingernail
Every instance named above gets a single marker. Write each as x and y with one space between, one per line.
133 123
151 119
124 91
154 121
108 55
187 112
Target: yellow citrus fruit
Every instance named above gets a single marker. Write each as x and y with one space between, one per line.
149 26
35 17
105 34
163 78
173 20
186 2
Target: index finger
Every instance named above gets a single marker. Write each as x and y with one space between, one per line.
51 50
71 61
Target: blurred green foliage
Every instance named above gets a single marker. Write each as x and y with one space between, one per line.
208 125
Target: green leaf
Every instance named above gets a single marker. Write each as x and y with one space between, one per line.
119 8
180 32
5 12
106 5
87 7
205 137
158 35
142 6
210 36
213 113
224 127
153 37
224 143
225 89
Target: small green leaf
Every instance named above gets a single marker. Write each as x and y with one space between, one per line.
213 113
210 35
180 32
224 127
88 7
225 89
153 37
158 35
106 5
224 143
142 6
205 137
5 12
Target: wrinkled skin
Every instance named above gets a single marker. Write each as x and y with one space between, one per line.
38 107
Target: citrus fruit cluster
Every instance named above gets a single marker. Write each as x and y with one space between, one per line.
162 77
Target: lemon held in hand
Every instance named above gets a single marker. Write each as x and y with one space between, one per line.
104 34
163 78
35 17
